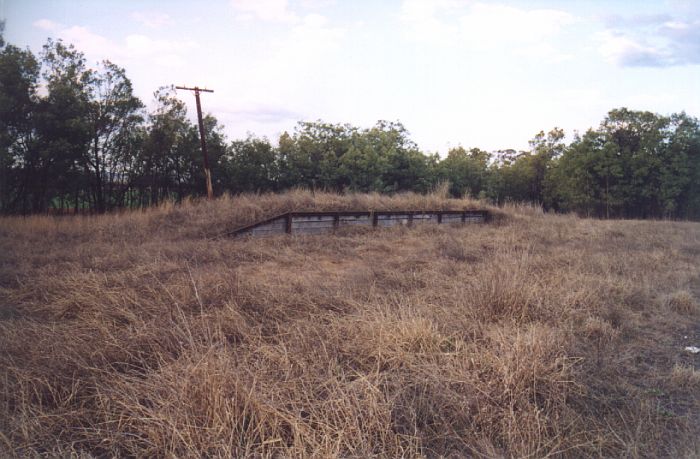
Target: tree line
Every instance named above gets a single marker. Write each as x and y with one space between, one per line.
74 138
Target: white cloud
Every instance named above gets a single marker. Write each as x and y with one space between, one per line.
264 10
581 98
625 50
676 25
544 51
166 53
90 43
308 41
423 23
316 4
152 19
143 46
493 23
256 112
46 24
289 81
300 55
651 40
486 26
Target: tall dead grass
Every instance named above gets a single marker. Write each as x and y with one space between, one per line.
142 335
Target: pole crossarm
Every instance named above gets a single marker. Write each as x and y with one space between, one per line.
196 88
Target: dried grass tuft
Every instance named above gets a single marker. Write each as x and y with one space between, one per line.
683 302
685 377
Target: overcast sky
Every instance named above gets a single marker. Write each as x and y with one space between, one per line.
455 72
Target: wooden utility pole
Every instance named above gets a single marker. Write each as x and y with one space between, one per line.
207 171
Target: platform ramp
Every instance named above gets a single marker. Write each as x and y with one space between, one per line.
328 222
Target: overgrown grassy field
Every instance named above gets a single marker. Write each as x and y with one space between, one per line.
538 335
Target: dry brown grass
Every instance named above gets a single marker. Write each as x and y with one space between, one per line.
683 302
142 335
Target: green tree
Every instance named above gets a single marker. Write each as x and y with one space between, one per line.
113 114
63 130
362 167
466 171
168 150
250 165
637 139
408 169
588 177
680 190
316 158
544 149
19 75
512 177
